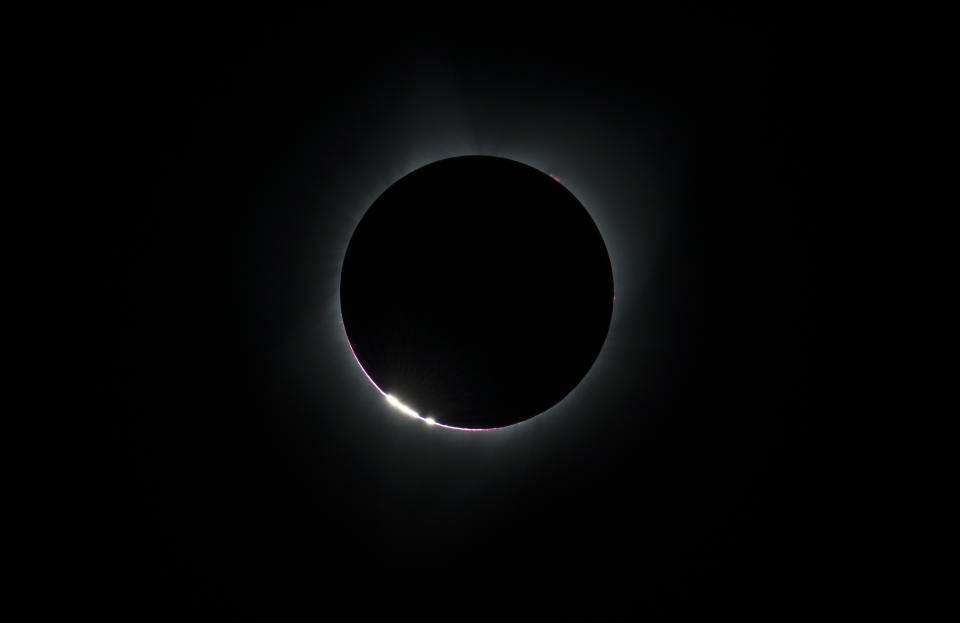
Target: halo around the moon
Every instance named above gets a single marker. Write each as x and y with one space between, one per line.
476 292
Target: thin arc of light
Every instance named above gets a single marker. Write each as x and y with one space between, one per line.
396 403
466 429
357 359
402 407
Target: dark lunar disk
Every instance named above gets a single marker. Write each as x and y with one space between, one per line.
477 291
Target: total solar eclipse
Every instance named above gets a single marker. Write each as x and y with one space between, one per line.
476 292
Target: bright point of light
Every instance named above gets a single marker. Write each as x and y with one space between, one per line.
407 410
399 405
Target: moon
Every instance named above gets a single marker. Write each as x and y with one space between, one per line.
476 292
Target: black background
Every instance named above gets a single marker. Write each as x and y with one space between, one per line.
249 469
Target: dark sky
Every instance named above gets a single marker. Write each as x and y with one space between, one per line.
250 467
